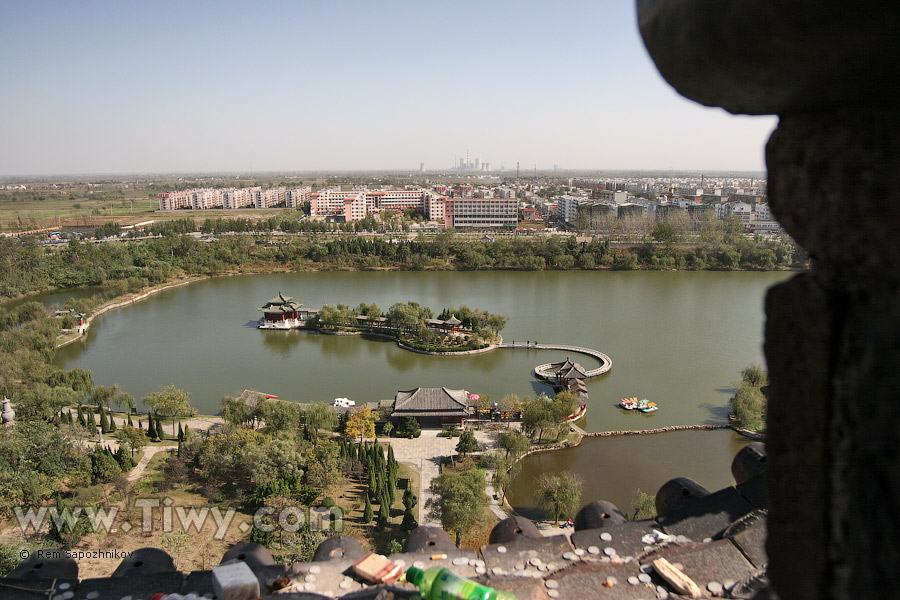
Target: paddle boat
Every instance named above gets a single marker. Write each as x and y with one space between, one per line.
645 406
628 403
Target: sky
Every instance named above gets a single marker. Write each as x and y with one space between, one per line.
200 86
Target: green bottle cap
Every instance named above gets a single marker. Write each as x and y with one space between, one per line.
414 575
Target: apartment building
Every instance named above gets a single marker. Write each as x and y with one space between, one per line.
273 197
471 213
567 206
741 210
335 202
400 199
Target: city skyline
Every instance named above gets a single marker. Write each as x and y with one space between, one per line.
101 87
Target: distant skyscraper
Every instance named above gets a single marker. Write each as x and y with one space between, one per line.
421 167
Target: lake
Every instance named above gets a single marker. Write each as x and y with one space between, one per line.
677 338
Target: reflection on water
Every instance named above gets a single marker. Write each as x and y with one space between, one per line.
283 342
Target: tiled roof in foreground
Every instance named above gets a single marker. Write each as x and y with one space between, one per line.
717 539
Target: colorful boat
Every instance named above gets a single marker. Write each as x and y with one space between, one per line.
628 403
645 406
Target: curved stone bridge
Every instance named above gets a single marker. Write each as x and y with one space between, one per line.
544 372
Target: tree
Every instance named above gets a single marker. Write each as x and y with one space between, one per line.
749 402
749 405
755 376
43 401
536 417
104 467
106 396
384 514
643 506
368 513
171 402
559 494
514 443
665 234
361 423
235 411
151 430
467 443
323 469
496 323
402 316
504 473
282 416
409 503
135 438
319 417
459 500
560 408
732 229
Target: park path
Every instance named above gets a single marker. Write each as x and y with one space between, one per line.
425 453
149 452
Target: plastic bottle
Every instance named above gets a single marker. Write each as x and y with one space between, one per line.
440 583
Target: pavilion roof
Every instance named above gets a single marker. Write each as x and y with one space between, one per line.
453 321
281 304
431 402
568 370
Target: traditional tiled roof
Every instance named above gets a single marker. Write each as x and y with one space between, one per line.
281 304
437 402
568 370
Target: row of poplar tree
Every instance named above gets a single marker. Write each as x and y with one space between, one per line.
85 418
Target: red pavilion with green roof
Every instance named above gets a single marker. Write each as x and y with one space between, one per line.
280 310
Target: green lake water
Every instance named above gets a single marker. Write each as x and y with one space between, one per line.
677 338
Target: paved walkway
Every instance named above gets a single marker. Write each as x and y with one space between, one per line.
544 370
425 453
149 452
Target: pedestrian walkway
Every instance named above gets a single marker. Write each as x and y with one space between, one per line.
424 453
138 470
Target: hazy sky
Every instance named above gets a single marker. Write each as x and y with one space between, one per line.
129 87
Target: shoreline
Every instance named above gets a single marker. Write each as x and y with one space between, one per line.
125 300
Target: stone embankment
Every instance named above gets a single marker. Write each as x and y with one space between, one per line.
652 431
